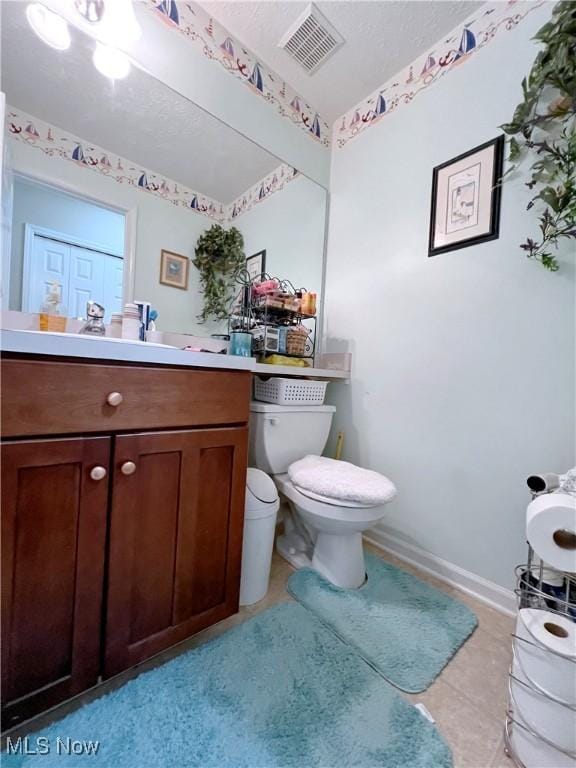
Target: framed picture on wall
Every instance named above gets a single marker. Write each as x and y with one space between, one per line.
174 269
256 265
466 198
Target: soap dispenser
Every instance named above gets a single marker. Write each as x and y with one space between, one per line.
52 317
95 325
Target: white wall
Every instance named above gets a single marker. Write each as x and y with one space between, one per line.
463 369
290 226
45 207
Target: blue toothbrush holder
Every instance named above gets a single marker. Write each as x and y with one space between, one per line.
240 344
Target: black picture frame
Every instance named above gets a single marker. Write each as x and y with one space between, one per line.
495 199
261 269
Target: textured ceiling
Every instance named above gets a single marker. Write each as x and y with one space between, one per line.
381 38
138 118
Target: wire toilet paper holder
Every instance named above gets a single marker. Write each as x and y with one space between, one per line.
549 589
512 721
531 592
509 749
531 684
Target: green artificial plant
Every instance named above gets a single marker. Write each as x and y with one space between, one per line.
219 256
543 128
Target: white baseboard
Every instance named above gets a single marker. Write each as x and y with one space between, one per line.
503 600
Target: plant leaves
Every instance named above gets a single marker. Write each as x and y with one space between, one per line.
548 109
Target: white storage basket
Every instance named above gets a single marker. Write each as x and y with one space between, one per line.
289 391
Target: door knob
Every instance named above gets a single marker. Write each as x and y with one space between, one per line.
98 473
128 468
114 399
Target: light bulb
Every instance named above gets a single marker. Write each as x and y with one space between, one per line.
111 62
118 25
49 27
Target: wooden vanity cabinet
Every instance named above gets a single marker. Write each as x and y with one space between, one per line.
175 539
53 550
115 546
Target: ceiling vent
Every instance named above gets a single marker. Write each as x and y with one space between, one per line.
311 40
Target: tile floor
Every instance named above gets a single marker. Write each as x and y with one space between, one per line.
467 700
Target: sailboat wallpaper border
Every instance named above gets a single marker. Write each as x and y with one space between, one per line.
55 142
218 44
58 143
262 190
459 46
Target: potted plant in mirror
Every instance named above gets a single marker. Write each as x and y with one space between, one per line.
543 128
219 256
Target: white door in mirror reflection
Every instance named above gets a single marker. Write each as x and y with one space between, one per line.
83 273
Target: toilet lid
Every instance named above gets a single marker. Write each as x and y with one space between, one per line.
340 481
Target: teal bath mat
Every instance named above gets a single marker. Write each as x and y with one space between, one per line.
404 628
278 690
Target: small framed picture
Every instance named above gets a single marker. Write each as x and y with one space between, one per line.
256 265
174 270
466 198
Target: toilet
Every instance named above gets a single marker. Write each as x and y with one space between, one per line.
320 531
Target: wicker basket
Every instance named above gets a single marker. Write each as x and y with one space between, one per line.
296 339
289 391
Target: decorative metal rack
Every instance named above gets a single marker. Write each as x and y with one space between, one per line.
533 591
255 315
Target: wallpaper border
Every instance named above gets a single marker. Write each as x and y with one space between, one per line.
217 44
54 142
459 46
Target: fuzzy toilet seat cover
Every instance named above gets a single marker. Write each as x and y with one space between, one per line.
341 480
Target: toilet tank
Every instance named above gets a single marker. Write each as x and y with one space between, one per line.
282 434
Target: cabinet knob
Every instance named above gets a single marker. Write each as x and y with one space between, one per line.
114 399
128 468
98 473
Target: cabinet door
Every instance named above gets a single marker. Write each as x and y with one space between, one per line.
175 539
53 548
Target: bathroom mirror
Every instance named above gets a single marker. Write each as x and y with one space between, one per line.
112 182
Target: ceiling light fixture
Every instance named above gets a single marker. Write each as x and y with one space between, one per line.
49 27
113 21
111 62
91 10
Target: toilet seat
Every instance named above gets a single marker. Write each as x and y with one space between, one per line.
332 502
348 483
329 509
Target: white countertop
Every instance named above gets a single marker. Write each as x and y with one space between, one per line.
122 350
77 345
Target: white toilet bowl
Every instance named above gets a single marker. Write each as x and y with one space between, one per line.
319 531
336 534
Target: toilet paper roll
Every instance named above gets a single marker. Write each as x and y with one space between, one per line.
551 529
533 752
548 659
550 576
545 716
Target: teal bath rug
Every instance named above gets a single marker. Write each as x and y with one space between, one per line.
278 690
404 628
